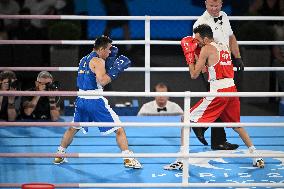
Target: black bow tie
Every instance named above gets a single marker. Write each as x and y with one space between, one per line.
162 109
218 18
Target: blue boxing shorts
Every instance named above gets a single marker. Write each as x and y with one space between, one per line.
95 110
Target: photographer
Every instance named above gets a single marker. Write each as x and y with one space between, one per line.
8 109
42 107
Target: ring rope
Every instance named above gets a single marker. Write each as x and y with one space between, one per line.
134 69
135 124
119 42
142 94
140 155
81 17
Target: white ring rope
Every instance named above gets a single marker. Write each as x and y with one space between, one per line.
121 42
135 69
135 124
139 155
141 94
79 17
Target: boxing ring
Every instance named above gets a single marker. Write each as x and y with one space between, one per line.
27 148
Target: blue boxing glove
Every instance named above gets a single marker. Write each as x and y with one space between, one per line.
119 65
113 51
111 58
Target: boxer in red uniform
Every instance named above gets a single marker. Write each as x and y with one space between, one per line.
217 59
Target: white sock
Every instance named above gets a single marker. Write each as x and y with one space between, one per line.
126 152
61 149
252 149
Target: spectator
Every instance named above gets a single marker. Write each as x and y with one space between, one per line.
161 105
22 53
278 54
246 30
9 106
254 7
239 7
3 31
272 7
40 7
117 8
6 51
64 7
20 3
25 30
9 7
42 107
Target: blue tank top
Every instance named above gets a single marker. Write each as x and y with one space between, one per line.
86 79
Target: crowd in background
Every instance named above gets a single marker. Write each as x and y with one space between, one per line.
19 55
37 29
9 28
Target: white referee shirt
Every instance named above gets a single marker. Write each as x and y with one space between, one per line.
221 29
151 108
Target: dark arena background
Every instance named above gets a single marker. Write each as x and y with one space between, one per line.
53 36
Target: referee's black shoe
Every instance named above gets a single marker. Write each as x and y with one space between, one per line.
225 146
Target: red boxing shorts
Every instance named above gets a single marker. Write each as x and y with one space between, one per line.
208 109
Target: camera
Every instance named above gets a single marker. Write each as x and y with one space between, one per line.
52 86
14 84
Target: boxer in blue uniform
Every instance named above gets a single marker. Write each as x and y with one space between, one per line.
97 69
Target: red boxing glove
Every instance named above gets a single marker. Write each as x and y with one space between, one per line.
189 45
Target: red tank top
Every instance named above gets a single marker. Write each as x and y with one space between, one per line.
223 68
